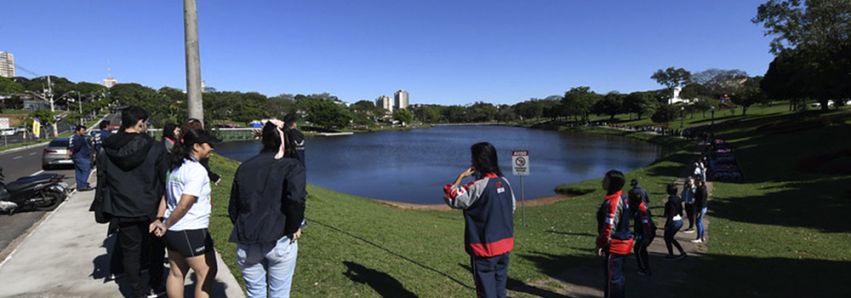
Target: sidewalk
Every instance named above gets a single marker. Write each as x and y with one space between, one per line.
66 256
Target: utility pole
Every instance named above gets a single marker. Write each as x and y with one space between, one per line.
193 60
52 109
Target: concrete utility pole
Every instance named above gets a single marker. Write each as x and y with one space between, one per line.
52 109
193 60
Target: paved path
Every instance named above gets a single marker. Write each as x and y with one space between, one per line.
66 256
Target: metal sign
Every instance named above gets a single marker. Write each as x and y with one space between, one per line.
520 162
4 122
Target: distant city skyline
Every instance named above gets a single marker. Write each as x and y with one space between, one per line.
446 52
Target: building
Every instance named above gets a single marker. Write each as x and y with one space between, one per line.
384 103
400 100
7 65
109 82
676 98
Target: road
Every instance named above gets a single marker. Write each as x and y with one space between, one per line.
20 164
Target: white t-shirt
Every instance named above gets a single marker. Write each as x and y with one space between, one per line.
189 179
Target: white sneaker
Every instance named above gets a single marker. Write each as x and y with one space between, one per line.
689 231
697 241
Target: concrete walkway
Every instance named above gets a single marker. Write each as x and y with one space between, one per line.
66 256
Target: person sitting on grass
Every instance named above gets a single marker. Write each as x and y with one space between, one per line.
488 204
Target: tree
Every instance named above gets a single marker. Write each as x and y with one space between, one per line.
750 94
482 112
427 113
665 114
812 45
640 103
506 113
404 116
578 101
8 86
611 104
672 77
455 114
324 112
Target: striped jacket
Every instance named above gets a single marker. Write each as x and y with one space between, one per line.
613 225
488 205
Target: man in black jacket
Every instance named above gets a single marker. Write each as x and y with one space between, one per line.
267 210
132 170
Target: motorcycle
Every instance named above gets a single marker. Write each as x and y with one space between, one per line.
42 192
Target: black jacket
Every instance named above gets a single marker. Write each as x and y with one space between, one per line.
700 197
673 207
267 199
131 176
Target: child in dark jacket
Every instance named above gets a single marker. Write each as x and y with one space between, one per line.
488 204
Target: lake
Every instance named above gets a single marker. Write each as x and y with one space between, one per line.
412 166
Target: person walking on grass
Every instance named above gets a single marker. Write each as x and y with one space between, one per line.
688 198
700 198
638 192
615 240
185 216
266 208
673 223
488 203
645 230
131 177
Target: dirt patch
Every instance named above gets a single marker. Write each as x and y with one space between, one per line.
443 207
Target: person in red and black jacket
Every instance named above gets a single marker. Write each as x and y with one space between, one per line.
645 229
615 238
488 204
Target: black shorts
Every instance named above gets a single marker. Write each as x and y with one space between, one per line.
189 243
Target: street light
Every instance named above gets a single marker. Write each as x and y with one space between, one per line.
712 112
682 116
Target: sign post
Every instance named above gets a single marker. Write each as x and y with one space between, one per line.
520 167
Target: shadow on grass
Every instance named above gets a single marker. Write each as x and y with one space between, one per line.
395 254
383 284
736 276
571 233
521 287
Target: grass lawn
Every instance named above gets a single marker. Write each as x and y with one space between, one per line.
780 233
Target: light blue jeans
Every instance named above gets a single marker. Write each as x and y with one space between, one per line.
275 261
700 227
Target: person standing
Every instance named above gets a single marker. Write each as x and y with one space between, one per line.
615 240
81 153
171 136
488 204
266 208
673 222
100 136
291 121
700 199
645 231
133 187
185 216
688 197
638 192
193 123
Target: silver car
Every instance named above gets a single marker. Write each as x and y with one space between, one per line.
56 153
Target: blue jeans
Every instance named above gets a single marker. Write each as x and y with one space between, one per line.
700 227
275 261
490 275
615 279
82 168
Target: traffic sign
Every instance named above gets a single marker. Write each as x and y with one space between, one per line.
520 162
4 122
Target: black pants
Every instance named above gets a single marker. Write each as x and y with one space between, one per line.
490 275
640 250
690 214
140 250
671 231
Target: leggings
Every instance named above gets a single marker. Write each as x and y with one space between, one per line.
640 250
690 213
670 231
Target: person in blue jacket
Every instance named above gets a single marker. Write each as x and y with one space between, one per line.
488 203
81 153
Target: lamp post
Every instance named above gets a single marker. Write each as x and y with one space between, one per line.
682 116
712 112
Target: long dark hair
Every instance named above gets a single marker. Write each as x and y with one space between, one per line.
616 181
484 159
270 137
182 149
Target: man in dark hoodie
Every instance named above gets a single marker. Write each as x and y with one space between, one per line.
131 173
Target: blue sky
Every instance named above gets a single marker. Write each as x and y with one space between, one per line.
447 52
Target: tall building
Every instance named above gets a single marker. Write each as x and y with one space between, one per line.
384 103
400 100
109 82
7 65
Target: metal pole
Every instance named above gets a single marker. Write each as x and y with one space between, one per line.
193 60
52 109
522 198
80 102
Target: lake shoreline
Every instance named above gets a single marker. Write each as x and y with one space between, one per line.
541 201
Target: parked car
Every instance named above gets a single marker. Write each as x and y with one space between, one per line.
7 131
56 153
